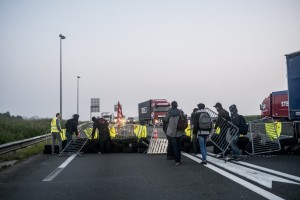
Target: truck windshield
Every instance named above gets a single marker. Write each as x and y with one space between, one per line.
162 109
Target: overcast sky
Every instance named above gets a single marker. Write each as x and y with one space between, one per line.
131 51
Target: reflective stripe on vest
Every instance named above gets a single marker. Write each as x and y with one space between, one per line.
53 125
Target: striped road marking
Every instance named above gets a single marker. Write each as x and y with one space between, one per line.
254 175
52 176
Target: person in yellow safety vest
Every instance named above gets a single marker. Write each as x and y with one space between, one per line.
55 132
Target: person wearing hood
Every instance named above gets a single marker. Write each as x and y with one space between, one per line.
71 127
235 119
172 118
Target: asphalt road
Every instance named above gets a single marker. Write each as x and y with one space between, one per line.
139 176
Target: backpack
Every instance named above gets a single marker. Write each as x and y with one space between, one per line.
205 123
182 123
243 126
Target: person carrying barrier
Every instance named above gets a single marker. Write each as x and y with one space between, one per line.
71 127
223 117
103 134
202 127
235 120
55 132
172 118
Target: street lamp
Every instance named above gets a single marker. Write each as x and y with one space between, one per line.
78 77
61 38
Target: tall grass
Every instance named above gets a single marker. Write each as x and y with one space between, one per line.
16 128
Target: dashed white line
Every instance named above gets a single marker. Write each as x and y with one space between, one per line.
52 176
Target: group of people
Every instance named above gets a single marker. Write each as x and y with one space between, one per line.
71 128
202 126
56 130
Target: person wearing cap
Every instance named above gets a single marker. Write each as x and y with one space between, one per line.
172 118
71 127
223 117
235 120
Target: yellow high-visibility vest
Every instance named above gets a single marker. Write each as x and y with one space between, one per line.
53 125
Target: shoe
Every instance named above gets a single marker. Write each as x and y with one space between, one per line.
238 158
204 163
53 153
220 156
177 163
99 153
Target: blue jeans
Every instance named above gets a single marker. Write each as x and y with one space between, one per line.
235 150
176 144
69 137
202 143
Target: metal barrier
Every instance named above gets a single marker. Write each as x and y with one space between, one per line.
158 142
263 136
223 135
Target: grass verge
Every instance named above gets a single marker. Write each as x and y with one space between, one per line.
22 154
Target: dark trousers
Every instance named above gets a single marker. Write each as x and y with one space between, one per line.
176 143
170 154
104 146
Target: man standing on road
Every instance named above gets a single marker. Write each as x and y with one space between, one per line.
235 119
172 118
202 127
222 120
71 127
55 132
194 139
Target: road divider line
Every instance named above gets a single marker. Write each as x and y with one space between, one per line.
53 174
238 180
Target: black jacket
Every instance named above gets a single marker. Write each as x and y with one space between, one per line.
71 126
222 114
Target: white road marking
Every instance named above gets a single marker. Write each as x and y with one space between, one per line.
52 176
251 174
238 180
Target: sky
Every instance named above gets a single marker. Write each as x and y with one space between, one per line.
190 51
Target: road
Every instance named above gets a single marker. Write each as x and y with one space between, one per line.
139 176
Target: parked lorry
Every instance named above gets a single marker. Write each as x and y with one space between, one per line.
153 111
284 106
276 105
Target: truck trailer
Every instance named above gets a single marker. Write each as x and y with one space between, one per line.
153 111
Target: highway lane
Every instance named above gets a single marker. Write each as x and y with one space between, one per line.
140 176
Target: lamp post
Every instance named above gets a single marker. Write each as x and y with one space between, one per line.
78 77
61 38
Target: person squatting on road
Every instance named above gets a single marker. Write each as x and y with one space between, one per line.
172 118
71 127
55 132
202 127
103 134
235 120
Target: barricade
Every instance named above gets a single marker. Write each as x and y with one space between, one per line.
223 135
158 142
263 136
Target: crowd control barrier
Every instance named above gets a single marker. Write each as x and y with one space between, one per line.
223 135
158 140
264 136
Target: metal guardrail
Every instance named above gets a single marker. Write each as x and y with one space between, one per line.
13 146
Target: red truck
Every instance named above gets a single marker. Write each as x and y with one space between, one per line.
153 110
276 105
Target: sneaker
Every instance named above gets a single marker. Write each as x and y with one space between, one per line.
238 158
53 153
177 163
99 153
204 162
220 156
